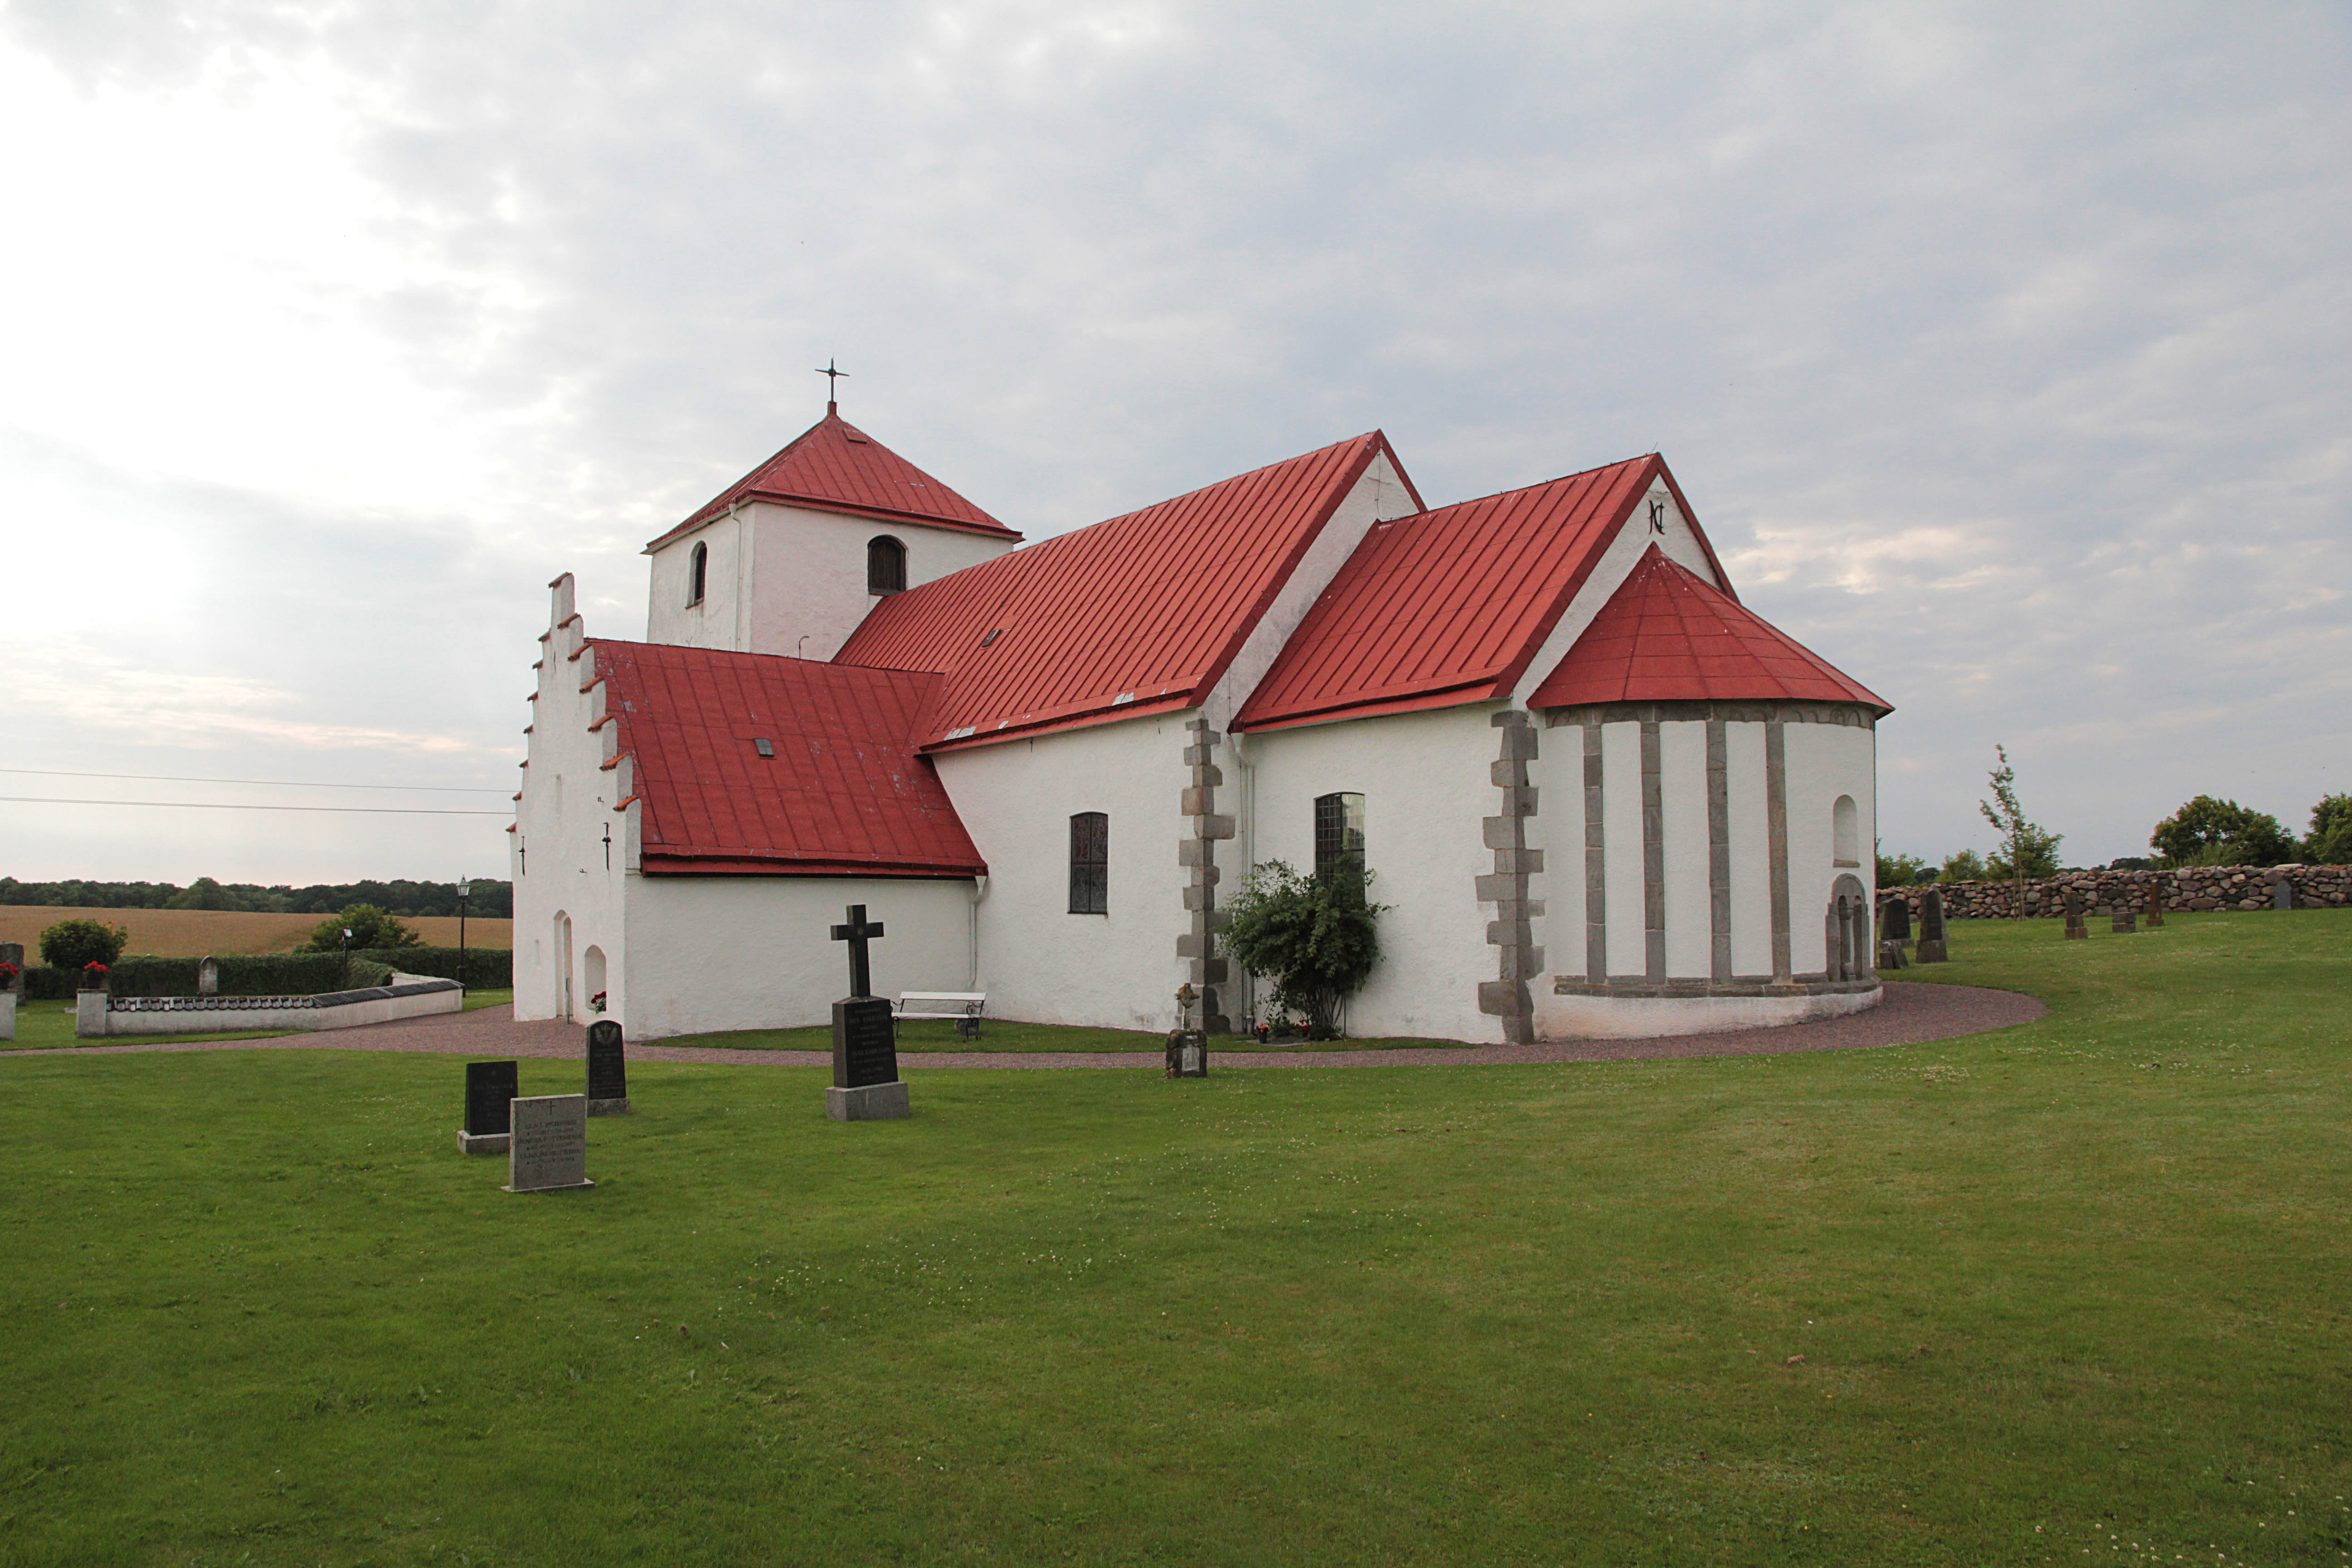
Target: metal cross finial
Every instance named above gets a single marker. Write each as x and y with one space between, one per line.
833 382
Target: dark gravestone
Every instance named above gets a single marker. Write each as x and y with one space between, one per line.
490 1107
865 1082
2124 919
1931 928
608 1070
2155 905
2075 926
1895 926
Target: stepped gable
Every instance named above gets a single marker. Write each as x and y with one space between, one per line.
833 465
1669 635
1449 607
1139 615
844 795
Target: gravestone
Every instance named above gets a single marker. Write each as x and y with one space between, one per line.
2282 893
2126 920
2155 905
1895 926
865 1082
608 1070
489 1092
208 977
550 1151
1187 1047
2076 928
1931 928
12 986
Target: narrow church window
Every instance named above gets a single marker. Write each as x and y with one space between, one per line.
1090 863
1845 832
1339 831
886 565
698 570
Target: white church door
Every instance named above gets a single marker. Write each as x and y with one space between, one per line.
564 966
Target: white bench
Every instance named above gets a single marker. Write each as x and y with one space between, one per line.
963 1006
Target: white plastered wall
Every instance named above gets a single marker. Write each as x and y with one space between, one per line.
789 579
709 953
1039 961
1426 789
1682 790
1751 851
1620 846
1825 761
1681 546
558 856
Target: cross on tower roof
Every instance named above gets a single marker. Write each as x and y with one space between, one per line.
831 385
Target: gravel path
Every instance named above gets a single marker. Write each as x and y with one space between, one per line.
1910 1014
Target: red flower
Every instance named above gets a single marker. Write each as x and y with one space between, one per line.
93 967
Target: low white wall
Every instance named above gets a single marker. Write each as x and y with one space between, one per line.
1585 1017
712 953
93 1021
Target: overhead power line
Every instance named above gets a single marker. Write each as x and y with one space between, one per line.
281 784
241 806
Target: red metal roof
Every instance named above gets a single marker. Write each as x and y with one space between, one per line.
1668 635
1448 606
844 795
836 467
1137 614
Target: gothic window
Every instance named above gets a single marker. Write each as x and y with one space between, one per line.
1090 863
1339 831
886 565
1845 833
698 571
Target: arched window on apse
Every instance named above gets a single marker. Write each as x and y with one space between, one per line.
1845 832
698 573
886 565
1339 831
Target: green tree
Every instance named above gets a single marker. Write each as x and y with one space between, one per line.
1316 938
1967 866
1899 870
70 944
2026 849
2207 831
204 893
2330 840
369 926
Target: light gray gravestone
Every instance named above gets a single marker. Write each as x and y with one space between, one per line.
2282 893
208 977
548 1150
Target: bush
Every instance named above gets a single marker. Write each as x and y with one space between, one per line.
69 945
1964 867
249 975
1317 938
1899 870
370 928
2206 831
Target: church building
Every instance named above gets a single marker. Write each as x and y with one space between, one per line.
1600 796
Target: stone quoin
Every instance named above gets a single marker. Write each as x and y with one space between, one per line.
1598 795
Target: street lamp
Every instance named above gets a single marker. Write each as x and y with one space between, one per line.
347 956
463 889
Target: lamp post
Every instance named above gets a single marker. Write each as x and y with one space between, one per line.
464 889
347 956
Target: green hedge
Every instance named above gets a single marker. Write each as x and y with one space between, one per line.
486 968
245 974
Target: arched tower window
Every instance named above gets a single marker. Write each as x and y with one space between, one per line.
1090 863
698 573
886 565
1339 831
1845 832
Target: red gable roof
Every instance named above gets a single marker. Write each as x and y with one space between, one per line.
844 795
1139 615
1668 635
836 467
1448 606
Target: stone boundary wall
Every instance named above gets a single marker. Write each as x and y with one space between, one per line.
2190 888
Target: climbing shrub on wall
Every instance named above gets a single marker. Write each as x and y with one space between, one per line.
1316 938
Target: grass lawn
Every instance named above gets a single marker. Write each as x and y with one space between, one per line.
2075 1291
42 1026
938 1035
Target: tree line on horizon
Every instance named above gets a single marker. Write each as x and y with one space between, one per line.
489 899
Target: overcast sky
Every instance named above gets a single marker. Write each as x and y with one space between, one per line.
2002 351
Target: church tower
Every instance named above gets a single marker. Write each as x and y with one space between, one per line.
791 557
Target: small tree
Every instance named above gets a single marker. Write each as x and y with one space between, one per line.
2210 831
1967 866
1899 870
2027 849
69 945
369 926
1316 936
2330 840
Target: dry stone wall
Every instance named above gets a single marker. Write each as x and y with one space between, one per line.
2192 888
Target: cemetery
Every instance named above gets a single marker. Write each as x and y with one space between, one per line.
1831 1306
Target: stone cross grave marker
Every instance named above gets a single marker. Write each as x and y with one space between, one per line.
608 1070
550 1151
865 1082
489 1090
1931 930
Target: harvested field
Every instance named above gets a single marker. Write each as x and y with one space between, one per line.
193 933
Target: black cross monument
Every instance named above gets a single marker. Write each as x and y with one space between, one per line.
865 1082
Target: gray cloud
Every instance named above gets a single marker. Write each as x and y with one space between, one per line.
2002 350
